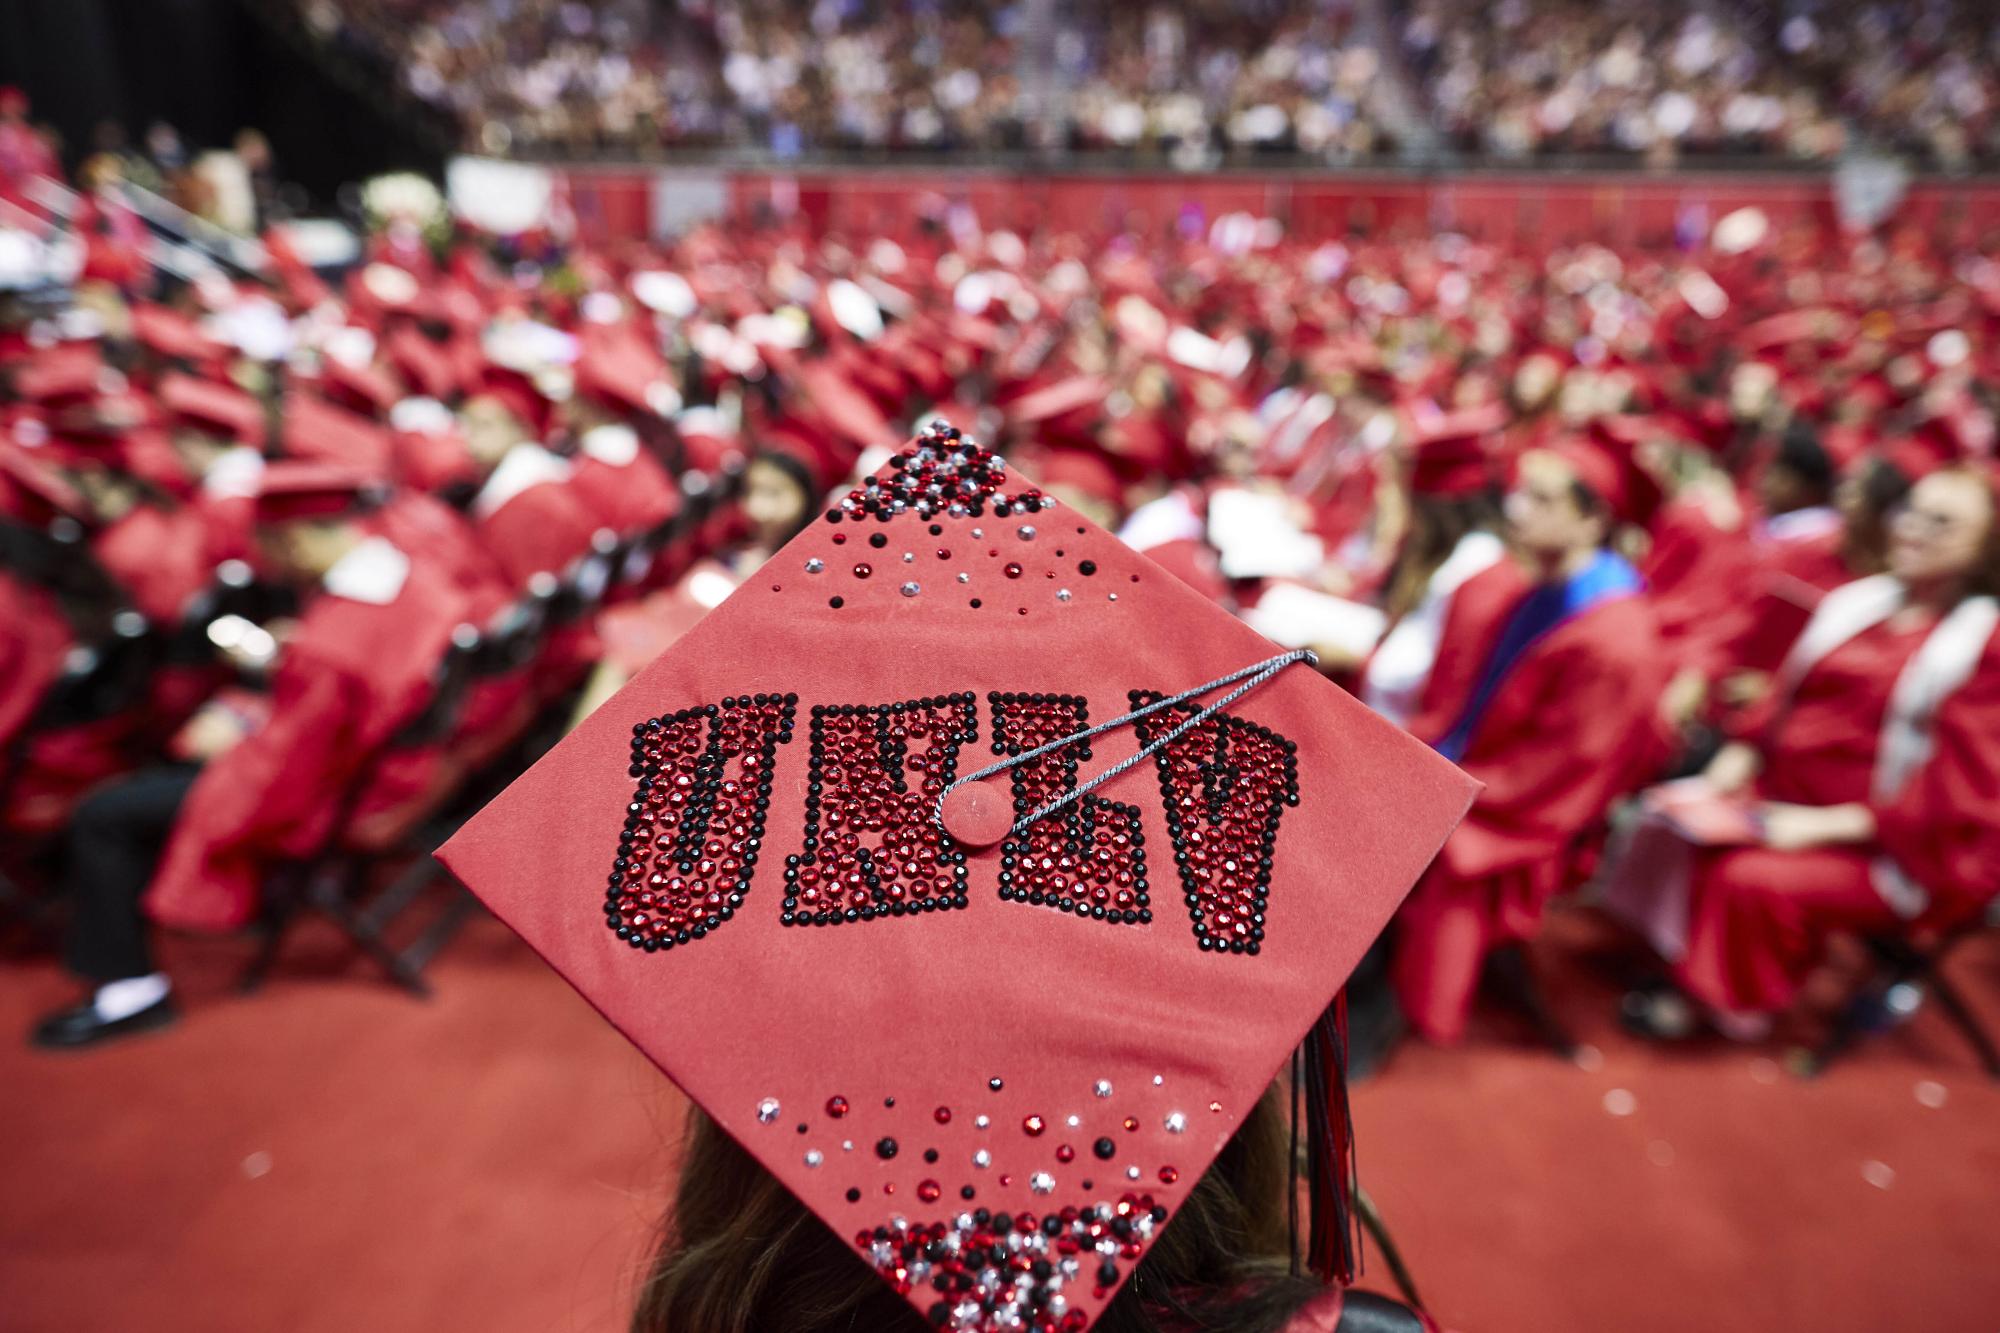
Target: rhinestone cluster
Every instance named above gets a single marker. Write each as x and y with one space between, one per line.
696 819
1089 857
941 473
993 1271
1224 785
872 848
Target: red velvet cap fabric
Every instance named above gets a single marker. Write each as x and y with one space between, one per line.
941 1041
222 409
296 488
1449 454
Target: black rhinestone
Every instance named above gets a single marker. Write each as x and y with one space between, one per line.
1105 1148
854 1196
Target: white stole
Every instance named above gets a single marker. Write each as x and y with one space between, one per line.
1945 661
1402 665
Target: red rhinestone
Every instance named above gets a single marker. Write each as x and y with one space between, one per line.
929 1191
1034 1125
840 539
1013 570
1168 1175
1065 1154
862 571
942 1115
836 1107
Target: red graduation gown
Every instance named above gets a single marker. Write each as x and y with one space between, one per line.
1478 611
34 639
1695 575
628 497
1570 729
352 674
163 556
1759 918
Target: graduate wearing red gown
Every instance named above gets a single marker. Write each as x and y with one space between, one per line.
359 666
1559 722
190 845
1872 779
1422 673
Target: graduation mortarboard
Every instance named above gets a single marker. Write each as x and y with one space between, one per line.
292 489
1449 453
953 1008
220 409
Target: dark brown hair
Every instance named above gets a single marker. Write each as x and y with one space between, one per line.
740 1254
1436 527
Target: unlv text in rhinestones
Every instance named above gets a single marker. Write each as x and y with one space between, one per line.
696 819
1089 857
942 472
872 848
1224 784
1018 1272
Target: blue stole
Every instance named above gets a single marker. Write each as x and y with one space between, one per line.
1547 607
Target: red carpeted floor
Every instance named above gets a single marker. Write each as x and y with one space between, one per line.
330 1156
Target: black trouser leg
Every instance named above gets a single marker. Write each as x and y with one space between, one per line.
115 839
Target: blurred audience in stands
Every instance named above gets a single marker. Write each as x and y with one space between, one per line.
1329 79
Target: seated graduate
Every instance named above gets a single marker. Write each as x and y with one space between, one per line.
189 843
1559 722
1451 583
1860 797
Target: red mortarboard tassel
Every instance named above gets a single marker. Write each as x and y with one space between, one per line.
847 864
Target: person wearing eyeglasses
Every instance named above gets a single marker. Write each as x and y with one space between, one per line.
1864 795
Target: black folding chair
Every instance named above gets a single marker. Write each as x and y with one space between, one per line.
1904 973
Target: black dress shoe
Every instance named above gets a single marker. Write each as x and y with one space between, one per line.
72 1029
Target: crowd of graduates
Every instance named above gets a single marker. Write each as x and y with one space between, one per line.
1717 509
1795 81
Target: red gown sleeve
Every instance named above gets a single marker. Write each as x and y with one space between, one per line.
1944 830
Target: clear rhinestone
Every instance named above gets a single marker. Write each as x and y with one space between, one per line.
767 1110
1042 1182
1159 1080
981 1122
909 557
1102 1087
965 578
815 565
814 1157
1176 1122
1062 594
911 589
978 533
1074 1121
1131 1173
1027 532
1112 595
982 1159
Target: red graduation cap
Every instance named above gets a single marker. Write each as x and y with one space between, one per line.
1612 472
1449 453
60 374
920 1025
39 491
171 334
222 409
304 488
623 373
316 429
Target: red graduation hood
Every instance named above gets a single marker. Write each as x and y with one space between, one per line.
736 861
